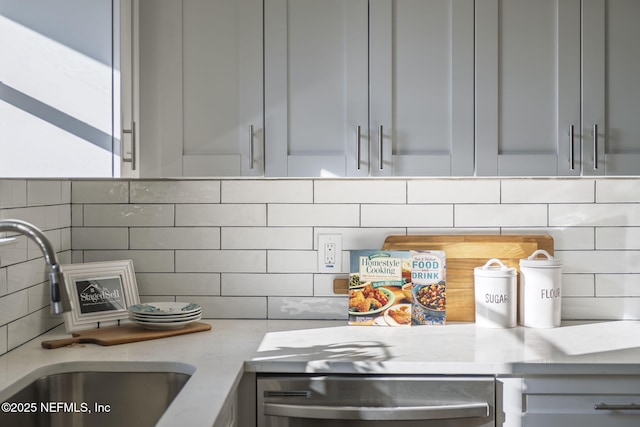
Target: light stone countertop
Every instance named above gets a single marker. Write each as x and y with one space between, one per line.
217 358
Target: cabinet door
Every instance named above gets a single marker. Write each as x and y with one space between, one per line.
316 87
610 87
581 401
527 87
201 88
421 67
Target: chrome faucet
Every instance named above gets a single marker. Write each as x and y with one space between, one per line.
59 297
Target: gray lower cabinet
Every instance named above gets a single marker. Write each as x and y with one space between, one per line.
581 401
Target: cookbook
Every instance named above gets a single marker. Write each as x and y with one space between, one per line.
397 288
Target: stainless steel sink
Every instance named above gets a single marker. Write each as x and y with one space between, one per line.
96 399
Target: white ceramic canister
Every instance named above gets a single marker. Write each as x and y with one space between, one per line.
540 291
496 295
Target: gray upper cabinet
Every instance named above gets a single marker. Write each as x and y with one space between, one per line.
201 110
610 87
316 88
421 86
357 88
548 74
527 86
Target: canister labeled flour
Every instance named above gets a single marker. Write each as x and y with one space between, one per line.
495 295
540 293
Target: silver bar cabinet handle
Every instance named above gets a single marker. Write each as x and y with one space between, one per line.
250 146
380 135
571 158
131 159
595 146
437 412
358 147
608 407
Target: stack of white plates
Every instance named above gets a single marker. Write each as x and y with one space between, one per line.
165 315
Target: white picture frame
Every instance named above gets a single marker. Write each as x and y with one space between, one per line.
100 293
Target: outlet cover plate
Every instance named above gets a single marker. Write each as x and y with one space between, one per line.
329 253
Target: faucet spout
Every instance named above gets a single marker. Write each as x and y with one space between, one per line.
59 297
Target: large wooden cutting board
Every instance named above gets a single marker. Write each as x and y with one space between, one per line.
123 334
463 254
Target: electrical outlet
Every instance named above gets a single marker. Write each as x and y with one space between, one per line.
329 253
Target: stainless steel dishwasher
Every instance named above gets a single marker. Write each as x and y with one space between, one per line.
355 400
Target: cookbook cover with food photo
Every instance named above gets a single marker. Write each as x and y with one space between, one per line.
380 288
429 291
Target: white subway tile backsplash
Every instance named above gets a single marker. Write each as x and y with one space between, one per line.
54 237
65 239
617 238
576 238
44 193
323 308
24 292
292 261
460 230
178 284
618 285
407 216
516 215
190 215
100 238
23 275
77 215
106 191
627 308
325 215
222 261
172 191
618 190
174 238
248 247
358 238
267 238
3 281
267 284
4 339
13 306
232 307
13 193
599 262
454 191
128 215
38 297
360 191
15 252
323 284
57 216
144 261
578 285
25 328
580 215
34 215
548 191
267 191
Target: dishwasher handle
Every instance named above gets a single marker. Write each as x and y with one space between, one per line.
438 412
